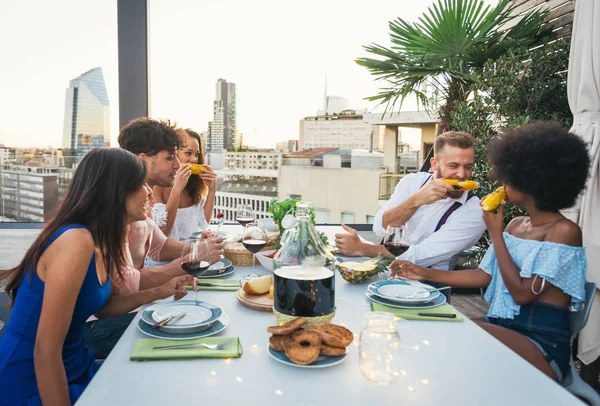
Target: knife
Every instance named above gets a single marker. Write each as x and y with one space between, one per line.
168 320
216 284
444 315
441 315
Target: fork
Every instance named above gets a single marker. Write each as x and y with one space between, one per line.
415 294
212 347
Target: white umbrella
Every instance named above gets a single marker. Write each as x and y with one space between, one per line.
584 100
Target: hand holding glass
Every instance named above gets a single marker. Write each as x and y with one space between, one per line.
195 260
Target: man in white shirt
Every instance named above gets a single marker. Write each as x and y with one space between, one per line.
439 221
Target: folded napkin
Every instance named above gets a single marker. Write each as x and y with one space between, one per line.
413 314
232 284
142 350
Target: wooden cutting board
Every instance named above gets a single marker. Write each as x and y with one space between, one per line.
256 302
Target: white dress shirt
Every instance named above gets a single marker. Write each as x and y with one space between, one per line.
427 248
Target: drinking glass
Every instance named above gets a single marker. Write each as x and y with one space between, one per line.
395 242
195 260
254 240
244 214
379 348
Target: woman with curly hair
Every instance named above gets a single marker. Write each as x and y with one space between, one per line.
187 206
536 268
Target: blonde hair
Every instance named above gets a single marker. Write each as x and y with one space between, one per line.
453 138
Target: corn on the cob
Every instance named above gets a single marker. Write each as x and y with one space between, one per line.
461 185
196 169
494 199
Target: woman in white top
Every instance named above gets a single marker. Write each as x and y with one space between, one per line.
186 207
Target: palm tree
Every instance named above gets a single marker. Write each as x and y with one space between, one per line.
448 43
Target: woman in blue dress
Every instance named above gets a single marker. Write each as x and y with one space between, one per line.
536 268
65 277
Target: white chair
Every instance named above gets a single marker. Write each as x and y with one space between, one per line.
572 381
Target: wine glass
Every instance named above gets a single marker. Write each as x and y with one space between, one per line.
395 242
254 240
244 214
195 260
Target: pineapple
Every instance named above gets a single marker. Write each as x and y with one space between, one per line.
355 272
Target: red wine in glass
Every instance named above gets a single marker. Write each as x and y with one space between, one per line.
396 248
244 220
195 268
254 245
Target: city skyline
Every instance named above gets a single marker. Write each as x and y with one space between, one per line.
278 59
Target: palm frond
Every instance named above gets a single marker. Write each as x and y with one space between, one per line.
451 40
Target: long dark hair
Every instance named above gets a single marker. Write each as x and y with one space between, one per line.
95 199
196 186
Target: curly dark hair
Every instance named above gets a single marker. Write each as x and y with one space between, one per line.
195 186
149 136
543 160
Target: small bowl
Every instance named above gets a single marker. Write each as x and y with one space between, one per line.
355 276
268 224
265 261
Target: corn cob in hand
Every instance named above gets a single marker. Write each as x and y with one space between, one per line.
493 200
461 185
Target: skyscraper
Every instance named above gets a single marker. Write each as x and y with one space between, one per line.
223 129
87 113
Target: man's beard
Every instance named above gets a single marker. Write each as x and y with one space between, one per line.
453 195
153 179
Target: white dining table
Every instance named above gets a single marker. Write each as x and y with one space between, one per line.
442 363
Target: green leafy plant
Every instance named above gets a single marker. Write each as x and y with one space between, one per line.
288 206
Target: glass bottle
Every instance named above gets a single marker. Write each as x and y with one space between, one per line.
304 280
379 348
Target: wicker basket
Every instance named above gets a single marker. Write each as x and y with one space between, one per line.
285 318
239 255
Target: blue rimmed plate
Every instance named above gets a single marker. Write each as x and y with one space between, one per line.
321 362
222 265
438 301
399 291
217 274
215 328
198 316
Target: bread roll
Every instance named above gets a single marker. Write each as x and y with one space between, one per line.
258 286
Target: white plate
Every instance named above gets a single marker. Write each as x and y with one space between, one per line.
403 289
219 274
215 328
322 361
440 300
198 316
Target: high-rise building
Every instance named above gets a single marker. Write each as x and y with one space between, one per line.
28 193
87 113
223 128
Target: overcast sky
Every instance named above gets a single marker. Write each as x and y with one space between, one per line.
278 54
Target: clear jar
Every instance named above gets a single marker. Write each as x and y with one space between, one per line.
379 349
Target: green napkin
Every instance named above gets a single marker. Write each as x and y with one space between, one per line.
413 314
142 350
232 284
